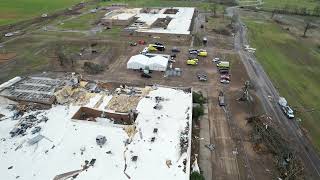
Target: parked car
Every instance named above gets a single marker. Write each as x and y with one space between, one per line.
175 49
133 43
221 99
202 76
193 51
192 62
225 76
223 65
224 81
288 111
223 71
144 75
141 42
194 59
286 108
216 60
154 47
158 43
202 53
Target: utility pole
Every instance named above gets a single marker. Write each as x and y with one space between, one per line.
245 92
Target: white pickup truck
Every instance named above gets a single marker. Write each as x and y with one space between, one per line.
286 108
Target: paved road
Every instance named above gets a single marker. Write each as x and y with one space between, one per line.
265 90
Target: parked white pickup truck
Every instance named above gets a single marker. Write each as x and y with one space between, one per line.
286 108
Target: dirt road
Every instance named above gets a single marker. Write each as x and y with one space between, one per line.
265 89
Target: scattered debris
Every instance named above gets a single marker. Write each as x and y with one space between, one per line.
36 129
184 138
155 130
82 150
168 163
211 147
153 139
195 167
92 162
35 139
44 15
8 34
134 158
286 159
109 152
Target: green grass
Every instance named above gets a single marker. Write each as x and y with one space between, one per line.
83 22
160 3
12 11
285 4
309 4
293 65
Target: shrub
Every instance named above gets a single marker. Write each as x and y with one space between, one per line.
198 98
92 68
196 176
197 111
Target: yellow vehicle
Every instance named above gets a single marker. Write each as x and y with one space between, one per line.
192 62
223 65
152 47
202 53
194 59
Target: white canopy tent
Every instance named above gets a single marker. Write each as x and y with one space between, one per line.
137 62
155 63
158 63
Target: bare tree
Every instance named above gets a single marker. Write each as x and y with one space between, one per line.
214 8
273 13
224 12
59 53
234 18
308 26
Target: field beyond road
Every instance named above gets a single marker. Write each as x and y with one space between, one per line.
293 64
12 11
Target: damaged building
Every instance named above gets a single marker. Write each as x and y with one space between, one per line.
89 128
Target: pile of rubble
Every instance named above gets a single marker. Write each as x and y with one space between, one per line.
287 162
184 139
26 122
127 98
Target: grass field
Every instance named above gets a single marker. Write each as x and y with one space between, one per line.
293 64
309 4
160 3
83 22
12 11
